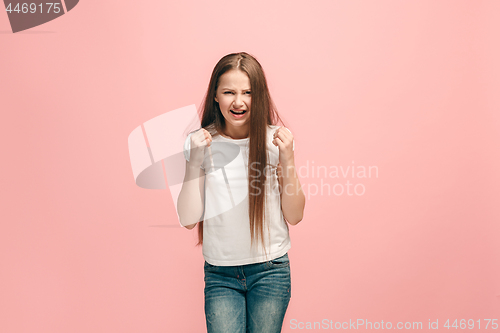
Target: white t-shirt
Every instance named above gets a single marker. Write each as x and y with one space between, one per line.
226 225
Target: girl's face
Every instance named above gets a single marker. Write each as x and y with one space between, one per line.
233 96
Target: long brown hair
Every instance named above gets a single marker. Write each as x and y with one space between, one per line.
263 113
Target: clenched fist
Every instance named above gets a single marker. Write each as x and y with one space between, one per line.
199 141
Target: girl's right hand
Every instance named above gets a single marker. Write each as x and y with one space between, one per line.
199 140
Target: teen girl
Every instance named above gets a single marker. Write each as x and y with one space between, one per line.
235 163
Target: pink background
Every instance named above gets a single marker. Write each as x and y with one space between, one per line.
408 86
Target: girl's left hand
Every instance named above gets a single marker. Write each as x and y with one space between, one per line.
283 138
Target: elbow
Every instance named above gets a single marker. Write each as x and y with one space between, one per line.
191 226
295 220
186 224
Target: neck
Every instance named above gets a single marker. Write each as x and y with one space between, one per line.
236 133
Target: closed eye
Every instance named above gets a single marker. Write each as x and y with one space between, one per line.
230 92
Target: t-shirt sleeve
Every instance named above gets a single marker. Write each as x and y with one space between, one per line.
187 148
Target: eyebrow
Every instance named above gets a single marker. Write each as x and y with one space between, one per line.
234 89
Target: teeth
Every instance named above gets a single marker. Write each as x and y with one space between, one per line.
241 112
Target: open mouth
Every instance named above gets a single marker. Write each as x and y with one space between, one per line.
238 112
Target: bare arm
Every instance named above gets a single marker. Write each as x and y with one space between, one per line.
293 200
191 201
292 197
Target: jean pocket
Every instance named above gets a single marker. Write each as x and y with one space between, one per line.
280 262
210 267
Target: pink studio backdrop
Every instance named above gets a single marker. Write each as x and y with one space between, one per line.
409 88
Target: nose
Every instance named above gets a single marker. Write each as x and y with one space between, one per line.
238 101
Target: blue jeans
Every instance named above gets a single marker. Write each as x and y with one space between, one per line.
248 298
